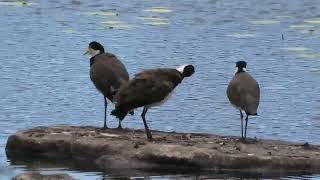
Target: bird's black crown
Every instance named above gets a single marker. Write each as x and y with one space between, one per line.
188 70
241 64
96 46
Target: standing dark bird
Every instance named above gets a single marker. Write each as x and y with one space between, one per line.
107 73
149 88
244 93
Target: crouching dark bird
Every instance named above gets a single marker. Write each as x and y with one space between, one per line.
107 73
244 93
149 88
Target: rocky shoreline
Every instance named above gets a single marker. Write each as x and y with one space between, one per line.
129 149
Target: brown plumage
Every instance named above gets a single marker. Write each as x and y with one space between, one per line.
149 88
106 72
244 93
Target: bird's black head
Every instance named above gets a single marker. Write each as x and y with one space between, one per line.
186 70
241 66
96 46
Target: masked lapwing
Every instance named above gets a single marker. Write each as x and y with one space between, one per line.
244 93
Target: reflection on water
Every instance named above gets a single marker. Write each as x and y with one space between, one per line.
87 170
45 81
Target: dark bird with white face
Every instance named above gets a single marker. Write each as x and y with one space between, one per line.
107 73
244 93
147 89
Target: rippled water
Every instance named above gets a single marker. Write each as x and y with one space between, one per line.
45 78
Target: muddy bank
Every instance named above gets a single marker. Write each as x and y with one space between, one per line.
129 149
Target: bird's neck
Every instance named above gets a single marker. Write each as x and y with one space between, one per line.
92 59
181 77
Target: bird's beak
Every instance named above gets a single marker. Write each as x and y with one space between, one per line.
87 51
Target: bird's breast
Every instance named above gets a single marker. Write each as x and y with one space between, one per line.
162 101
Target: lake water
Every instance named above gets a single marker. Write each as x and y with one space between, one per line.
45 78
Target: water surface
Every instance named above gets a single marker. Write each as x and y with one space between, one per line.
45 78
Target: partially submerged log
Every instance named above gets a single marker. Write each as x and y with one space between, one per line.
129 149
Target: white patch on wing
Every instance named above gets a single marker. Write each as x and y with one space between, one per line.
162 101
181 68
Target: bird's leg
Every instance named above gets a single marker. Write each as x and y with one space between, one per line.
105 112
245 130
119 126
241 117
143 115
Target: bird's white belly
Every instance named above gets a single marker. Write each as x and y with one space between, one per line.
162 101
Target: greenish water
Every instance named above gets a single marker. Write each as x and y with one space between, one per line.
45 78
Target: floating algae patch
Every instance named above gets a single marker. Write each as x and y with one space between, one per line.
242 35
295 49
308 55
101 13
113 22
302 26
70 31
264 22
284 17
309 31
158 10
117 24
313 21
122 26
155 21
315 70
17 4
302 52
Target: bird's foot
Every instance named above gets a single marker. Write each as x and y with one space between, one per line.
244 140
119 128
149 137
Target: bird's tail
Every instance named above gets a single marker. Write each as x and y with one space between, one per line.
119 113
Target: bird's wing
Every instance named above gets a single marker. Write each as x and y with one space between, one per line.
253 96
244 92
143 91
233 92
117 66
108 74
